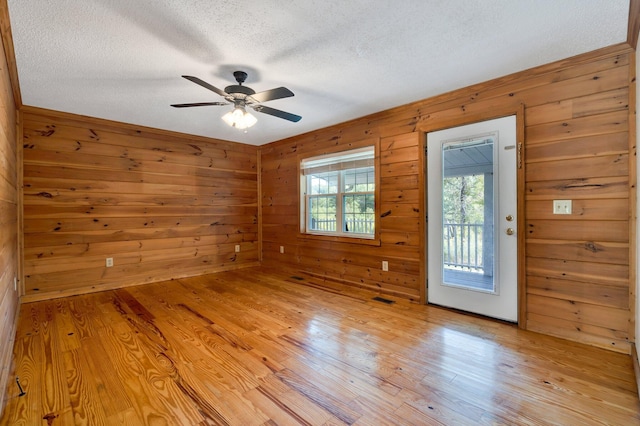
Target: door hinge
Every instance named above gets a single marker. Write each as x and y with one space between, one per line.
519 155
426 150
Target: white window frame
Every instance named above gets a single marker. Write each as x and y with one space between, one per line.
339 163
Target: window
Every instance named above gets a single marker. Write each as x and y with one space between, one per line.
338 194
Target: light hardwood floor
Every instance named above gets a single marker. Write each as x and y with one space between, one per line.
254 346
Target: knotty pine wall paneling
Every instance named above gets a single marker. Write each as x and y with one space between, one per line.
162 205
576 146
636 118
355 263
9 298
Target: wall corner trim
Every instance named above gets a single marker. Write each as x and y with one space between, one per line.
7 44
633 27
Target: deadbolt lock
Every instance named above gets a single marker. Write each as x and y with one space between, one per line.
509 231
509 218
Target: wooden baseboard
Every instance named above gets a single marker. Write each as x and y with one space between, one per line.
636 365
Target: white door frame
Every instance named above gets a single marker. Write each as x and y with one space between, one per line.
436 125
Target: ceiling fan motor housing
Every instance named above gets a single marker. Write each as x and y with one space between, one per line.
240 77
236 88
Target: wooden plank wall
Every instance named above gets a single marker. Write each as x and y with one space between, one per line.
162 205
576 147
9 301
399 241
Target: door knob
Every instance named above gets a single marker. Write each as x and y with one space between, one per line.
509 218
509 231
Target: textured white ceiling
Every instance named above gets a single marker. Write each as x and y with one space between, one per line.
122 59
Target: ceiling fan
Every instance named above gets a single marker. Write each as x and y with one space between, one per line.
241 97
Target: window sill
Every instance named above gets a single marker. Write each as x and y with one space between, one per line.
340 239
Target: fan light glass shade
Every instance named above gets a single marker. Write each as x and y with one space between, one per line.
239 118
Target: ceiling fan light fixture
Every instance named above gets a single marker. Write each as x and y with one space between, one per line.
241 96
239 118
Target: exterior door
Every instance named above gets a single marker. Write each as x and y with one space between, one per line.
472 223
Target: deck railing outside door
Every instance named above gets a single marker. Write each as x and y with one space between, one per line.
357 226
462 243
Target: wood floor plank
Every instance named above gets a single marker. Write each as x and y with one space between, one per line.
294 401
153 392
28 357
111 393
55 397
272 406
268 347
83 392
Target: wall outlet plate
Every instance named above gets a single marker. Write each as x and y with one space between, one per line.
237 248
109 262
385 265
281 249
562 206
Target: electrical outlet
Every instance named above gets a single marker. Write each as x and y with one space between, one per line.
281 249
109 262
561 206
237 248
385 265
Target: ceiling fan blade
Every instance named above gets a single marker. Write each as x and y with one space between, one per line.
277 113
270 95
199 104
206 85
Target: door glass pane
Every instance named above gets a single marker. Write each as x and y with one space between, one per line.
468 247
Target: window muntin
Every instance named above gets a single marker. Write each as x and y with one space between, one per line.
359 216
339 194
